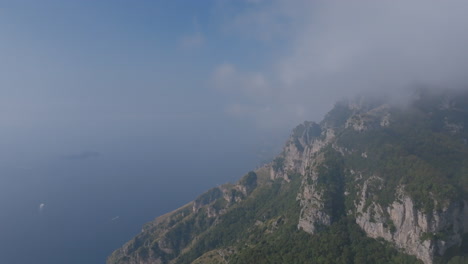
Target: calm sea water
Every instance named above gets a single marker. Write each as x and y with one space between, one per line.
93 206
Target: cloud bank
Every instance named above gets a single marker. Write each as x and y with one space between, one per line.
337 49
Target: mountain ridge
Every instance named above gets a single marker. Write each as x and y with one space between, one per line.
392 178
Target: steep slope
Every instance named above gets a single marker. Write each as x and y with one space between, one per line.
372 183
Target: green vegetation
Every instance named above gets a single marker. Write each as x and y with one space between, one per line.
278 163
266 203
455 254
430 164
338 115
330 183
249 181
422 150
209 196
342 242
263 229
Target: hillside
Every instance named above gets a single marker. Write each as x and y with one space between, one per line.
371 183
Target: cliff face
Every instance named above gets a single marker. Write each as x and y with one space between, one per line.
422 233
414 231
162 240
400 174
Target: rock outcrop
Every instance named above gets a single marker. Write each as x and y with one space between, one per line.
417 233
400 174
422 234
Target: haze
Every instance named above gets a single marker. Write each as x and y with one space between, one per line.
110 107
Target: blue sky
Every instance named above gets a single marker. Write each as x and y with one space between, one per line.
78 75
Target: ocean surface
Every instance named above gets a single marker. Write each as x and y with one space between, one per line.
92 205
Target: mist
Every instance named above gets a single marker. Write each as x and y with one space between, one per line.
334 50
133 109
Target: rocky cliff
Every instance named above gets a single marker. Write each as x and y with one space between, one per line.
398 174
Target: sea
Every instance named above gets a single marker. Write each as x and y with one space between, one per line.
78 209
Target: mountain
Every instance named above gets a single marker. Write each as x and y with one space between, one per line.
374 182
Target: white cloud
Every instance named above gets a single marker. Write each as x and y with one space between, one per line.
336 49
368 44
269 20
228 78
223 76
193 40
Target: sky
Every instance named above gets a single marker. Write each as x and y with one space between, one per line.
78 75
81 77
95 94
